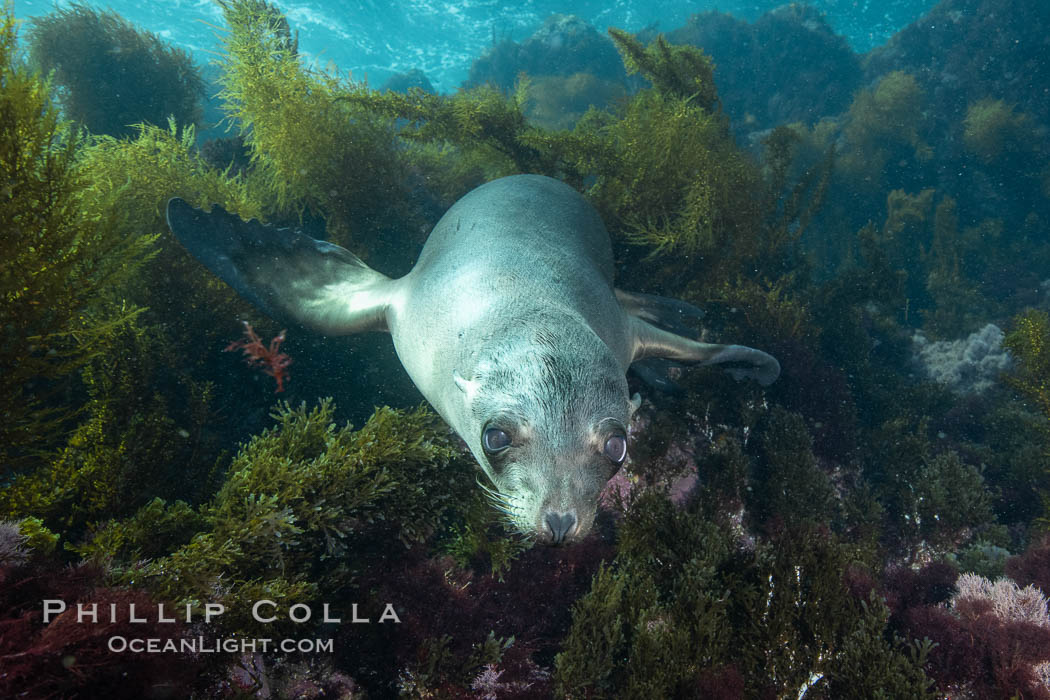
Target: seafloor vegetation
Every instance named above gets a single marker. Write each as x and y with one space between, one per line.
872 525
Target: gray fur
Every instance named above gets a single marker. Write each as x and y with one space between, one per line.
510 318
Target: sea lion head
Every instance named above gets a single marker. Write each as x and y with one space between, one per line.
549 429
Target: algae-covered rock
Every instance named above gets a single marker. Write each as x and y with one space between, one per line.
403 82
787 66
563 46
113 74
962 51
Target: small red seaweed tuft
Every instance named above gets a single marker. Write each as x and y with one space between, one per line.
1032 567
269 359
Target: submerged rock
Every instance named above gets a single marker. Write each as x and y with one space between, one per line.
403 82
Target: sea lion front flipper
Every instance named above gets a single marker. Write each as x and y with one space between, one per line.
287 274
673 315
654 372
650 341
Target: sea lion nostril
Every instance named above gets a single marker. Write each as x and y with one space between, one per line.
560 524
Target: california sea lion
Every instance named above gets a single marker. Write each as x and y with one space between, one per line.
508 323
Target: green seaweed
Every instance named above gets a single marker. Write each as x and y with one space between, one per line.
951 499
675 181
155 530
933 499
485 129
939 266
680 71
312 148
134 442
787 482
558 102
955 258
135 177
305 507
993 130
38 537
749 585
129 444
60 263
666 173
882 669
685 607
670 178
1030 344
480 541
137 174
1013 454
439 667
884 123
878 144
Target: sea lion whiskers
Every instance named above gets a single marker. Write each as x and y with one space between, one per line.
499 500
513 516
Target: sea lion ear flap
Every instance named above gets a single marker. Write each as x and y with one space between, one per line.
467 386
636 402
288 275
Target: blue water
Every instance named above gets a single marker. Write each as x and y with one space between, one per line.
373 39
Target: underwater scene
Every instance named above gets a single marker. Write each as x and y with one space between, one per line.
525 350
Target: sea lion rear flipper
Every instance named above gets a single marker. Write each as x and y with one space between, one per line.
650 341
287 274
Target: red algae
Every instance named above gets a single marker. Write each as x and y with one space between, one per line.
269 358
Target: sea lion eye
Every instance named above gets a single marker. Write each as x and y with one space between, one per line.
495 439
616 448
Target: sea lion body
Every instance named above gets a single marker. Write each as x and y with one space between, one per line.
519 274
498 271
508 324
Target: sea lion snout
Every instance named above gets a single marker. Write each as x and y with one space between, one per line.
559 526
